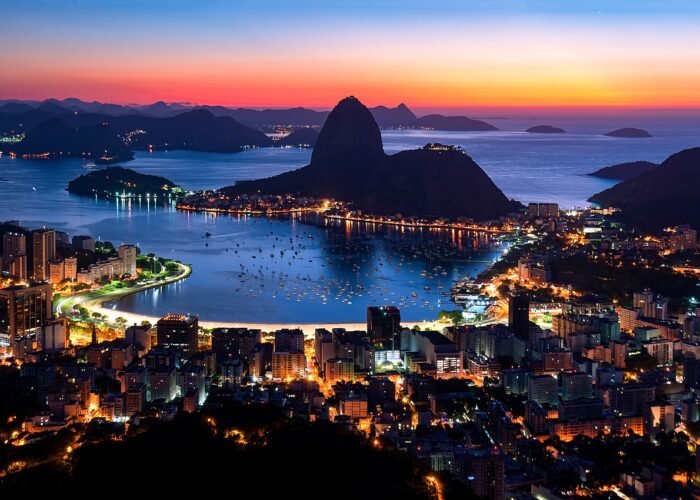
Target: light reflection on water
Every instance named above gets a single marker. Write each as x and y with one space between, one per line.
330 262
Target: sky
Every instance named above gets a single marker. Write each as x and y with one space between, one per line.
439 54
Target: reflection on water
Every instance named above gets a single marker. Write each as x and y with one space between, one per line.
308 269
293 271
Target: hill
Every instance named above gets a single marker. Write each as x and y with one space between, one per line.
302 137
545 129
624 171
348 163
629 132
53 139
196 130
453 123
398 117
664 196
106 182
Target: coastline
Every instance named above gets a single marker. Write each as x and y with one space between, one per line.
93 301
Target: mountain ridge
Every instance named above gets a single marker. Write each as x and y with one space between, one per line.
349 164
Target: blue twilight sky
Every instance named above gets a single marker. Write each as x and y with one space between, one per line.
441 53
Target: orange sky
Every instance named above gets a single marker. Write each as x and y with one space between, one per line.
234 56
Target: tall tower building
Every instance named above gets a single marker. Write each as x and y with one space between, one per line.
179 331
18 267
24 309
519 315
71 268
44 246
13 244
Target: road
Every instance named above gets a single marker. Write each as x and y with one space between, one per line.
94 299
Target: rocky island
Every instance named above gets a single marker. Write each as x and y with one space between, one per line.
545 129
118 182
624 171
629 132
348 164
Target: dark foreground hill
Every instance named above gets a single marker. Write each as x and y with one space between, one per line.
665 196
624 171
349 164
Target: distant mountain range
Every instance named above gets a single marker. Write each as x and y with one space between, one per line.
664 196
52 131
624 171
348 163
398 117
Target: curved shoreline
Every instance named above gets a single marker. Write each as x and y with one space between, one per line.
94 299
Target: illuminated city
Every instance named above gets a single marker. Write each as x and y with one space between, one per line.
231 257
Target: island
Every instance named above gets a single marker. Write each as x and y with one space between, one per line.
348 164
665 196
624 171
545 129
301 138
629 132
453 123
118 182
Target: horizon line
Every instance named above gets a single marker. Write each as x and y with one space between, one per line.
324 107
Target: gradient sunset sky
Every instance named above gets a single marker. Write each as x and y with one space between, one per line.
467 53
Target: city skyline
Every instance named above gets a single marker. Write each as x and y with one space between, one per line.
484 54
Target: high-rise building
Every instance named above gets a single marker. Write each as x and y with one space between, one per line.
18 267
24 309
519 314
288 365
140 336
576 385
44 246
235 342
13 244
52 336
339 369
179 331
543 210
288 340
543 389
56 272
128 254
484 473
384 325
661 349
644 301
70 268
